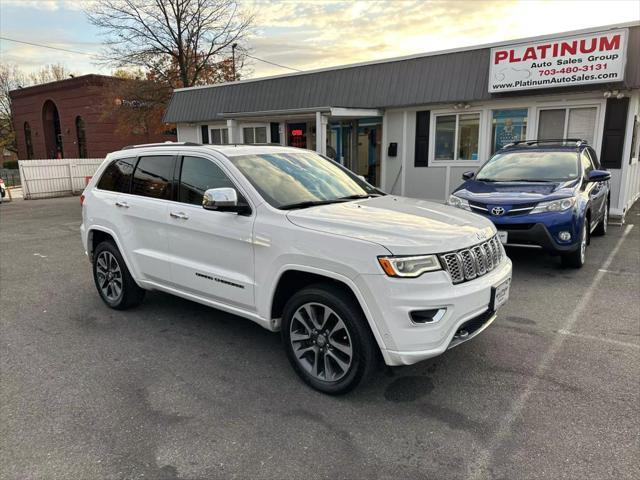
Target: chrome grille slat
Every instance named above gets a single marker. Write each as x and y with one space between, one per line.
488 251
481 259
469 263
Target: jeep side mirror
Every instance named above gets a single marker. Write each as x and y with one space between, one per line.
468 175
224 200
598 176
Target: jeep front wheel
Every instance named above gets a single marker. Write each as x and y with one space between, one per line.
327 339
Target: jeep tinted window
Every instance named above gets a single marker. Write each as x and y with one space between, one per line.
117 176
153 177
197 176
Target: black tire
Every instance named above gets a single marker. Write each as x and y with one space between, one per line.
601 229
130 294
356 336
576 259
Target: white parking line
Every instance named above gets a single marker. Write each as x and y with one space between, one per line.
600 339
479 469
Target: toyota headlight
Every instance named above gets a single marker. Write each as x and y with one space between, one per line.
409 266
555 205
458 202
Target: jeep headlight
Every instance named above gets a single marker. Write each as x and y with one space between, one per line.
555 205
458 202
410 267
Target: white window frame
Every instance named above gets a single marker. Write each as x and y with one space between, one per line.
534 115
254 126
221 128
482 120
211 126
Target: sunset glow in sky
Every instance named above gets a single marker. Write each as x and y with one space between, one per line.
313 34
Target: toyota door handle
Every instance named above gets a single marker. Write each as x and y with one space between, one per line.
180 215
122 204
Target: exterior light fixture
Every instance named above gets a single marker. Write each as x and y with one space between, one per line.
620 95
606 94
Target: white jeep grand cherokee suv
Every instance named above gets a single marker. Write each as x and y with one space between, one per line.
296 243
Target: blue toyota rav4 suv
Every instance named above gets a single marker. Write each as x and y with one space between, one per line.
549 194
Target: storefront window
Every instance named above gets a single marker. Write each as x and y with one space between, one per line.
468 134
582 123
219 136
445 137
567 123
457 137
508 126
551 124
255 134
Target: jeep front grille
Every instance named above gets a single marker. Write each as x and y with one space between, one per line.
469 263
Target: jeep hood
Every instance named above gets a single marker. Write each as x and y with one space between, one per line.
404 226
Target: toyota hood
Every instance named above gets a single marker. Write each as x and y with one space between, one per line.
499 193
404 226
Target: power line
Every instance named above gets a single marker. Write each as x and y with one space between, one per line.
101 57
272 63
49 46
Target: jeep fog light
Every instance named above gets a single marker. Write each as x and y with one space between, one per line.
564 236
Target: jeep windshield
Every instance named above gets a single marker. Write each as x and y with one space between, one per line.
301 180
537 166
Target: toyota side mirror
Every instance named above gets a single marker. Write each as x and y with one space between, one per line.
598 176
224 200
468 175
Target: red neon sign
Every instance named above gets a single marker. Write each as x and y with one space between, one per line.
296 133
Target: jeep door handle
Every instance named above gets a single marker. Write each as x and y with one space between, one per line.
180 215
122 204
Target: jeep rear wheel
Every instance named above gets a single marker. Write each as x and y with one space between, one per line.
327 339
114 283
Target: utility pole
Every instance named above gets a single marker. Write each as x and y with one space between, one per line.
233 59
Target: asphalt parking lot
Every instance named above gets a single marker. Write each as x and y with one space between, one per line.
175 390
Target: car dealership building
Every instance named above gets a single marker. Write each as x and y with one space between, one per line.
413 125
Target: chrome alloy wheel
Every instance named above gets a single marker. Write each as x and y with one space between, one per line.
321 342
583 242
605 219
109 276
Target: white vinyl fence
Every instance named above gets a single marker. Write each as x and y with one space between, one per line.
57 177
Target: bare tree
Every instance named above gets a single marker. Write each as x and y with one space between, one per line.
11 78
49 73
168 37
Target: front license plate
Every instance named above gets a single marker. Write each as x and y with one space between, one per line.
502 236
499 295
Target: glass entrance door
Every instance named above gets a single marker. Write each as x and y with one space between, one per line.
297 135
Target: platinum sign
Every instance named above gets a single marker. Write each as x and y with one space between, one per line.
578 60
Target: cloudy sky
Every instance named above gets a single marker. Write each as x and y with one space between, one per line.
309 34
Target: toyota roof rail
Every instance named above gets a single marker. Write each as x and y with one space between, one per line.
566 141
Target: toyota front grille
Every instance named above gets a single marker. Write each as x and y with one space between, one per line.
469 263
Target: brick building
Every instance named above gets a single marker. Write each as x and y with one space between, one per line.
65 119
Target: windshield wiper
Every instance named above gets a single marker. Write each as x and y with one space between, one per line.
531 180
359 196
493 180
310 203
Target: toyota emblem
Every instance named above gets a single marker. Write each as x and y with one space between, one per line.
497 211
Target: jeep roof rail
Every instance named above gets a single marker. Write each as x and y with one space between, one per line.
576 141
162 144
